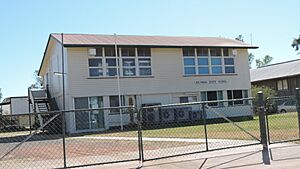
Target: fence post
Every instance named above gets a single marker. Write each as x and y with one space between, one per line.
263 129
204 123
298 106
140 136
64 137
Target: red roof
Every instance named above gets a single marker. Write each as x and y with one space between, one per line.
167 41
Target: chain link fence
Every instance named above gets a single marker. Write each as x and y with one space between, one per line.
282 119
119 134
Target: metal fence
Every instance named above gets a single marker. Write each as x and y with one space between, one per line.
282 119
85 137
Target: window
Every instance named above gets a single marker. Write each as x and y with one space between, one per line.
189 66
186 99
216 67
215 51
133 62
95 67
146 52
110 51
237 94
229 65
89 119
98 52
111 66
225 52
144 66
188 52
128 52
203 68
208 61
114 102
202 51
211 96
282 84
128 67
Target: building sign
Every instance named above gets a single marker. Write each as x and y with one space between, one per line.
210 82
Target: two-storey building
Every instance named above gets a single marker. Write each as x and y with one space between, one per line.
152 70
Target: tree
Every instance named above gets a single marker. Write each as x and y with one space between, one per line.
240 38
38 80
264 62
296 43
250 58
0 95
268 93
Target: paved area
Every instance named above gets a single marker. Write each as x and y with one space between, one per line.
285 155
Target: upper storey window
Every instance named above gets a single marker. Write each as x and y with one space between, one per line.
208 61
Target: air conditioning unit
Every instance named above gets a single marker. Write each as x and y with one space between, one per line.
167 115
195 115
92 51
150 115
182 114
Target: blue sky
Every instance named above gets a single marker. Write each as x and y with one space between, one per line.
26 25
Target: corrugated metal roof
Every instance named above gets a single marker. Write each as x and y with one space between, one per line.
274 71
171 41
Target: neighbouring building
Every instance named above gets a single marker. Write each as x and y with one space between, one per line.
282 77
14 108
153 70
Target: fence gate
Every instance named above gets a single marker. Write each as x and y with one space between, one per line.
25 143
187 128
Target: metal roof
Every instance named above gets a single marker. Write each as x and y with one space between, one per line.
274 71
134 40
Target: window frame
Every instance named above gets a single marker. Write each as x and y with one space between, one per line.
211 67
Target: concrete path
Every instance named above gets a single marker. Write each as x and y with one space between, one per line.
283 156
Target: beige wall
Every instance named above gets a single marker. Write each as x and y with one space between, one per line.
167 67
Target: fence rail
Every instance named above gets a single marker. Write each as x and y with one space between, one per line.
118 134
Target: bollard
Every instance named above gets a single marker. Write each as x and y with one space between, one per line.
263 129
297 93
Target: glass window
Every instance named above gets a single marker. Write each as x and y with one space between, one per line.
95 62
128 71
189 61
89 119
215 52
202 51
144 51
111 72
128 62
229 69
144 62
284 84
99 51
183 99
216 70
225 52
212 95
228 61
95 72
145 71
110 51
111 62
188 51
203 70
189 70
128 51
235 94
216 61
202 61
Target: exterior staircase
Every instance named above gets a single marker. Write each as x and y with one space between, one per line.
42 102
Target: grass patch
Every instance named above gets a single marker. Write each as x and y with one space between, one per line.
282 126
